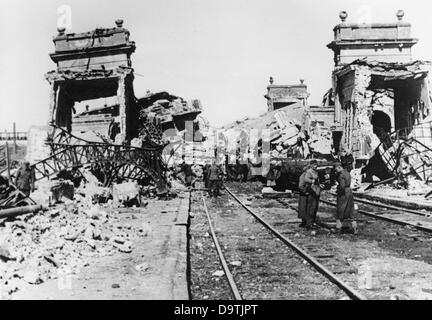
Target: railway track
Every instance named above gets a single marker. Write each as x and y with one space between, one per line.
310 258
230 278
405 217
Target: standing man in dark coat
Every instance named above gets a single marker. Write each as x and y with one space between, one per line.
222 174
206 169
345 199
302 206
25 179
346 160
310 191
214 176
186 168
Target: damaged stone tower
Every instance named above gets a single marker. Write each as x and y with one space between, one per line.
86 132
90 66
377 87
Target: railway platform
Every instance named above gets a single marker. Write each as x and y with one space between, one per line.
396 198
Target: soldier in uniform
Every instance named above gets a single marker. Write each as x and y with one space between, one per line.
273 175
206 169
310 191
345 199
4 187
214 175
221 179
346 160
186 168
25 179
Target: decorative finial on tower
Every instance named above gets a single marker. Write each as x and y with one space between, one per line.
271 80
343 15
61 31
119 23
400 14
301 81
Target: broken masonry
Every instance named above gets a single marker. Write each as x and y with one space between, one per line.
382 100
95 119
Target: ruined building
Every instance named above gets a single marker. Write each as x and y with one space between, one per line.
280 96
95 120
93 114
90 66
94 73
381 95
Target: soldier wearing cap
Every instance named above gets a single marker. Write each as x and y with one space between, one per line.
347 160
273 175
25 178
310 191
214 177
345 198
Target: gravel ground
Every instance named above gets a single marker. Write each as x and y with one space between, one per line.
385 261
262 266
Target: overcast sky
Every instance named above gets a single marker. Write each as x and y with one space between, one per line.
219 51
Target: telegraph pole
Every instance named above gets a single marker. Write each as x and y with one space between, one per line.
14 138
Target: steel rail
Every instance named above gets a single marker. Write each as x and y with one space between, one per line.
392 220
228 274
352 293
388 206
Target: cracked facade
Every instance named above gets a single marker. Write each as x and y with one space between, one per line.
92 88
90 66
377 87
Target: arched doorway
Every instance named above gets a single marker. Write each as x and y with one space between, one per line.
381 121
382 127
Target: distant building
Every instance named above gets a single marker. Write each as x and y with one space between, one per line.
280 96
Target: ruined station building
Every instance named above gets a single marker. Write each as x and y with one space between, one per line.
377 87
280 96
94 66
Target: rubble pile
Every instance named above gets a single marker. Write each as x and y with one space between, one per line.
47 245
321 142
417 187
171 111
287 133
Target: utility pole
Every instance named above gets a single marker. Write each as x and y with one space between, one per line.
14 138
8 161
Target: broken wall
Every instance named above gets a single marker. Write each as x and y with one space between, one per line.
377 97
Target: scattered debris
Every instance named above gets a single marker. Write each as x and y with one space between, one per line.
218 273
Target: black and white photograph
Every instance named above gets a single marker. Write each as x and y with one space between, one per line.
215 154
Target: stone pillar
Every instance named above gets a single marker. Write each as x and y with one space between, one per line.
121 95
52 102
337 103
52 106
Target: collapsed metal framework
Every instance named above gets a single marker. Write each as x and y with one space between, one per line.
113 161
412 144
3 158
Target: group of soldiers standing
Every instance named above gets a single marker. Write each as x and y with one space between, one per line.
212 177
310 191
309 187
